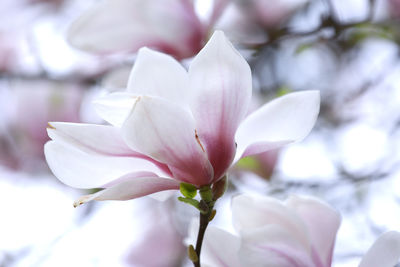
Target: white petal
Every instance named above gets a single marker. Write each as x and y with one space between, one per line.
81 169
127 25
166 132
322 221
131 188
220 248
272 245
115 108
252 212
158 74
286 119
103 139
221 82
385 252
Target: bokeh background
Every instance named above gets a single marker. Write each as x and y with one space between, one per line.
349 50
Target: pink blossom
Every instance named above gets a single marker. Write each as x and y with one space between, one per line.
298 232
126 25
173 125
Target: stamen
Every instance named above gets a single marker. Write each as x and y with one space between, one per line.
198 140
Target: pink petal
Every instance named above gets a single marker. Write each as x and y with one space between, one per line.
385 252
157 74
130 189
220 79
284 120
127 25
166 132
84 169
322 221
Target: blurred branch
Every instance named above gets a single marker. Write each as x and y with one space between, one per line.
44 75
329 21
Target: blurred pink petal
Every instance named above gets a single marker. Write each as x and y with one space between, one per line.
275 233
385 252
220 248
321 218
158 245
127 25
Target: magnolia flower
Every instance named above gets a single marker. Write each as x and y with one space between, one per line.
126 25
174 126
300 231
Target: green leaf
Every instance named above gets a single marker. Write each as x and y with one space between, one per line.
195 203
188 190
206 193
248 163
212 215
192 254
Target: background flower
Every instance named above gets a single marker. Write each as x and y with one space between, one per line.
300 231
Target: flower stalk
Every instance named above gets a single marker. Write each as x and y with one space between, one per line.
206 215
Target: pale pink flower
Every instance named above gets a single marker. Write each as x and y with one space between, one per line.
126 25
173 125
27 106
298 232
157 245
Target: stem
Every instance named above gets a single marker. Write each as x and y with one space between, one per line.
206 209
200 236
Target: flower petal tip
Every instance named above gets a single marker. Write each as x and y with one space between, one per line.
82 200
